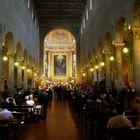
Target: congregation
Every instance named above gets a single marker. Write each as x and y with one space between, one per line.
96 108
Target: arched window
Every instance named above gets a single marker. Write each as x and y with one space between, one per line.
28 3
86 14
90 4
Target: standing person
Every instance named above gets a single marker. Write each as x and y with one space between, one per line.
44 102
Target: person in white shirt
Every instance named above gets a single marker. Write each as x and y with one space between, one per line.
30 101
5 114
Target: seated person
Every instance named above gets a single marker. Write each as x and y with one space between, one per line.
30 101
5 114
10 101
119 121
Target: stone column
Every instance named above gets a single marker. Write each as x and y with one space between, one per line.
0 73
70 67
100 59
107 69
33 77
136 56
90 73
93 72
1 84
25 78
49 65
19 74
11 72
119 79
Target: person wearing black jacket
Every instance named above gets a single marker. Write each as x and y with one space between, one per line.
44 102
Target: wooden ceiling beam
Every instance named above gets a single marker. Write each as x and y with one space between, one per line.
62 9
73 14
59 7
64 20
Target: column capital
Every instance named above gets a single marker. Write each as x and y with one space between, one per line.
107 53
10 54
118 44
136 32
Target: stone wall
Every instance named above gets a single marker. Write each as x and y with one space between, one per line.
16 17
102 19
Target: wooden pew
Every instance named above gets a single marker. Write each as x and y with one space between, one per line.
26 110
37 113
123 133
6 132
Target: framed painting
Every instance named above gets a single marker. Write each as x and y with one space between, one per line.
59 65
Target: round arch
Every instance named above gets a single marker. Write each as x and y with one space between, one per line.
108 37
30 60
1 35
59 46
9 43
19 50
25 55
136 14
63 28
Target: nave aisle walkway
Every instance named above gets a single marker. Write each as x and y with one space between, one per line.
61 124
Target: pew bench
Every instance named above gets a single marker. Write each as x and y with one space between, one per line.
6 132
123 133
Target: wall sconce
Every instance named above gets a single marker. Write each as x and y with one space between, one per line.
23 67
96 67
102 64
84 74
16 63
91 69
113 43
35 74
87 66
28 70
111 58
15 57
125 50
129 27
5 58
3 53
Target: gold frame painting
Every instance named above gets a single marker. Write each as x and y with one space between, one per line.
60 65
